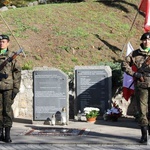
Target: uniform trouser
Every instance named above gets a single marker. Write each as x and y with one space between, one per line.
6 114
143 104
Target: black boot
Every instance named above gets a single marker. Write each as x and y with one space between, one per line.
144 134
1 134
148 129
7 135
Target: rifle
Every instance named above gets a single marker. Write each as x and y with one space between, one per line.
8 60
146 63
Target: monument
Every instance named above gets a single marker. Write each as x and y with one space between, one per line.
50 95
92 87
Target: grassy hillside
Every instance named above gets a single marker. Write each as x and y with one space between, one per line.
63 35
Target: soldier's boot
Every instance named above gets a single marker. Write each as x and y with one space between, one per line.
7 135
144 134
1 134
148 129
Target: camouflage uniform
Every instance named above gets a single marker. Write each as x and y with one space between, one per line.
10 77
141 59
142 89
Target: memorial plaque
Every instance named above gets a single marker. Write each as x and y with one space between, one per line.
93 87
50 93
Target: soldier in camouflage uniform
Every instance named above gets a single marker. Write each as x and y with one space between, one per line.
10 78
141 59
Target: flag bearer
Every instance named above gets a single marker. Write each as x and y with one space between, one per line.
141 59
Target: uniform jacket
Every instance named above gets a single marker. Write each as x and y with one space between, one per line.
138 58
10 75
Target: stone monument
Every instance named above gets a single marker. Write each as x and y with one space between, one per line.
92 87
50 94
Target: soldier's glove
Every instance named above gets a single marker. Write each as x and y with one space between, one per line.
138 75
14 93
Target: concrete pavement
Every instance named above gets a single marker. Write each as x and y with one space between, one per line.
123 134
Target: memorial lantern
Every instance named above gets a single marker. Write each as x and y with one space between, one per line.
63 116
53 121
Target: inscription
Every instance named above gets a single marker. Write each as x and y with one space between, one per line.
92 87
50 93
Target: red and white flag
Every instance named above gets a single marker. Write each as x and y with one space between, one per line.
128 87
145 8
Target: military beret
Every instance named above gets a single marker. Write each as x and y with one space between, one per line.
145 36
2 36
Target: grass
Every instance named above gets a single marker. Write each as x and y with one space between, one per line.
63 35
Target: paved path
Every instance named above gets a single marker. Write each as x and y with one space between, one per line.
71 147
121 135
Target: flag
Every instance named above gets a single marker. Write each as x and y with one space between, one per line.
145 8
128 86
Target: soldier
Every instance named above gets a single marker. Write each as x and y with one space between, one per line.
10 78
141 59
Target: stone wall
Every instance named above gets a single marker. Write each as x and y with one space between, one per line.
23 104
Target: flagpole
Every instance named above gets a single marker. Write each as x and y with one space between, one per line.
12 33
129 33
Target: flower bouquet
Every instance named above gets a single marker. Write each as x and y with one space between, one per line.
114 113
